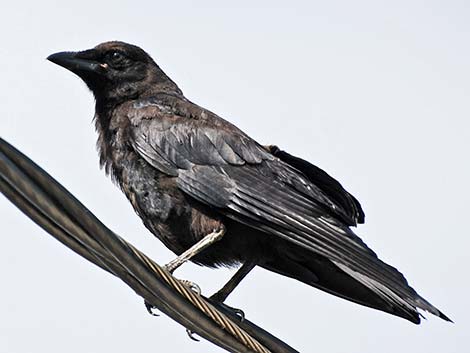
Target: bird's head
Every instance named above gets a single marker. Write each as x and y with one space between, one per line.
115 71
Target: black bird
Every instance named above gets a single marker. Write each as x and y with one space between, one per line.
197 181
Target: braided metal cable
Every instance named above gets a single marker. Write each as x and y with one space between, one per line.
207 308
52 207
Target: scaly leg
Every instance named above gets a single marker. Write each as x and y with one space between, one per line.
209 239
220 296
228 288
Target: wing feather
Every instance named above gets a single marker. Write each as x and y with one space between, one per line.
218 165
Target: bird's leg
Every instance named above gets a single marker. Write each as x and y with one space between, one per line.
228 288
209 239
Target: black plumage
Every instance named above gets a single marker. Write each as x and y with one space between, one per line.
187 172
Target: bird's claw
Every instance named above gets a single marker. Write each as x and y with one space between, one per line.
235 311
150 308
191 335
194 287
191 285
240 313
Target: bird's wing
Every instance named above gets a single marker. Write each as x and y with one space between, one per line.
225 169
173 143
326 183
277 200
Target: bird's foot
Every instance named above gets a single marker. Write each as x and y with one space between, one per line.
150 308
191 335
191 285
195 288
238 313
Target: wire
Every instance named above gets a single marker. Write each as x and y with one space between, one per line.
57 211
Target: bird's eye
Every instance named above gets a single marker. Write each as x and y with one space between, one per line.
115 55
116 58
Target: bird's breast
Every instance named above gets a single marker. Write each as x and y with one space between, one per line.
177 220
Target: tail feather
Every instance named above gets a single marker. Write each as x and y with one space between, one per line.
343 282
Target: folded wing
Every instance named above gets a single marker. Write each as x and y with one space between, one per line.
220 166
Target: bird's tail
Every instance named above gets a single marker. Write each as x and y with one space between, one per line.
343 282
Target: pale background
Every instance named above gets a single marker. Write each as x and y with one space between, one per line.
376 93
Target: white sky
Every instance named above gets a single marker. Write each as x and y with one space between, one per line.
375 93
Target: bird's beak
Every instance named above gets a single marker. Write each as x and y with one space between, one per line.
74 62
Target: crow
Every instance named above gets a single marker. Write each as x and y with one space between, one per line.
215 196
